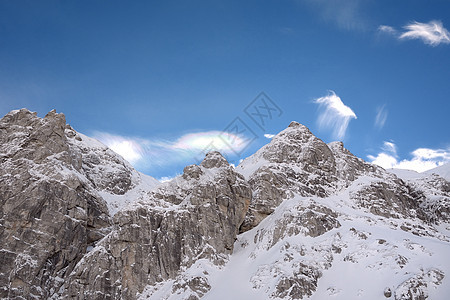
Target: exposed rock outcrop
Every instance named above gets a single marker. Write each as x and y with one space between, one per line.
417 287
296 162
48 213
194 216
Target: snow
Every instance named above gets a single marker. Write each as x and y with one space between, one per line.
406 174
443 171
249 165
363 269
112 164
375 255
116 203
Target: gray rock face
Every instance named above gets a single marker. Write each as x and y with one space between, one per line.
48 213
391 199
302 283
294 162
196 215
103 168
348 166
312 220
297 162
417 287
436 197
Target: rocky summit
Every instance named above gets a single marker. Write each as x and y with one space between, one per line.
299 219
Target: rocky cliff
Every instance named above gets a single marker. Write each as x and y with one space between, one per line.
299 219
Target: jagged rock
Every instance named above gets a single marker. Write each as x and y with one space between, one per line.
390 198
348 166
416 287
312 220
184 220
436 197
297 162
302 283
197 286
105 170
48 213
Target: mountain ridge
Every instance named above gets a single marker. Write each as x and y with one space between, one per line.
77 221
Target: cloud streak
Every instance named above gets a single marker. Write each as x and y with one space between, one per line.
423 159
334 114
432 33
148 153
381 117
346 15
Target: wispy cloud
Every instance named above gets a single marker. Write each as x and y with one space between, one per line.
432 33
334 114
147 153
269 136
381 117
129 148
346 15
387 29
422 159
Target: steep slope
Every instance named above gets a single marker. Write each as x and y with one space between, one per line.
51 209
370 235
195 216
296 162
436 191
443 171
324 223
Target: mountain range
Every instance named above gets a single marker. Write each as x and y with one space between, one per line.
299 219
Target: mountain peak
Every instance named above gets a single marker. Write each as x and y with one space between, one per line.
294 124
214 159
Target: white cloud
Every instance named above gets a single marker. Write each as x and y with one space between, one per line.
381 116
128 148
335 114
387 29
166 178
423 159
390 147
145 153
269 136
432 33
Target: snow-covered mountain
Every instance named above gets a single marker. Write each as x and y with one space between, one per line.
443 171
299 219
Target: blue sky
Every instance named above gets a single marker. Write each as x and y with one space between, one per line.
161 80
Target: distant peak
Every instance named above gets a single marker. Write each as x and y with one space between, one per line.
294 124
54 114
214 159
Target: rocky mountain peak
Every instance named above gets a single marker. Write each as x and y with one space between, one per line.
294 124
214 159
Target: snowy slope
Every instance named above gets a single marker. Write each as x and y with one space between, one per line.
443 171
359 260
116 181
362 258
